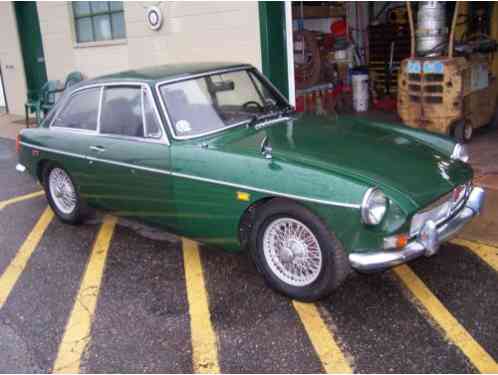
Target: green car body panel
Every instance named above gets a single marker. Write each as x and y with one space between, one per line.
192 186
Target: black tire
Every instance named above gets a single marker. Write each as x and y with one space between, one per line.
334 266
77 215
463 132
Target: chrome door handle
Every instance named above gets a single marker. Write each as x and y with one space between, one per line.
97 148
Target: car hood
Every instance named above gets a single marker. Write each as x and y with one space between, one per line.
377 156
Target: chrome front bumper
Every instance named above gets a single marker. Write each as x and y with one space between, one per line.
427 241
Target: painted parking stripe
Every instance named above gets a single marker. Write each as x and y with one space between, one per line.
204 342
489 254
17 265
77 332
331 356
454 331
20 198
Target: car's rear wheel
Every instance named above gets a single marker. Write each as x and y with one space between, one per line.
62 194
295 252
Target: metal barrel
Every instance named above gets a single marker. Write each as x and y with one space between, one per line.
432 29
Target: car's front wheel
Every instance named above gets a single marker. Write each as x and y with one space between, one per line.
295 252
62 194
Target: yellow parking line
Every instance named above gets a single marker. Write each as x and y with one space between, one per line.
77 333
487 253
452 328
328 351
20 198
17 265
204 346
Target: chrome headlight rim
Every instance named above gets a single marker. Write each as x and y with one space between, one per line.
461 153
365 206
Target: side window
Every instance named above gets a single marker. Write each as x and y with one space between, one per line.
81 111
122 111
152 127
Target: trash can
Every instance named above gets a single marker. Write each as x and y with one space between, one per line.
360 89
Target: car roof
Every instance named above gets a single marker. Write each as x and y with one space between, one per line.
165 72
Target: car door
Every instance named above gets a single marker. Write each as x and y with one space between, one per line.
130 159
72 129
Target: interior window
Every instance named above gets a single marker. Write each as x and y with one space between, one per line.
81 111
122 111
245 91
152 127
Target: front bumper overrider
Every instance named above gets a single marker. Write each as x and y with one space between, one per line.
425 243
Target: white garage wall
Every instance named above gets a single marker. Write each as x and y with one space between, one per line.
11 60
191 31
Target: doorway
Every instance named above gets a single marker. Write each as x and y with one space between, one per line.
3 101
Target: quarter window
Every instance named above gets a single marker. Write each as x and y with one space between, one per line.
81 111
153 129
98 20
122 112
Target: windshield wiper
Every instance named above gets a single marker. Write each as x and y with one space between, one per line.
270 115
265 116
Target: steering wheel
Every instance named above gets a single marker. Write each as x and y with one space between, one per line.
252 104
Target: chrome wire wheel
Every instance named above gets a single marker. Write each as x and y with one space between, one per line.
62 191
292 252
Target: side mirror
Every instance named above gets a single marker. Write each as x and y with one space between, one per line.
266 148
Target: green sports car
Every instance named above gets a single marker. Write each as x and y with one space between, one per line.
214 152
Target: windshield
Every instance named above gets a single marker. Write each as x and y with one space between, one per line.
214 102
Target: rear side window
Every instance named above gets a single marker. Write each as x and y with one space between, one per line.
122 111
81 111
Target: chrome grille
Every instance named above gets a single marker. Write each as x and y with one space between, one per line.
440 209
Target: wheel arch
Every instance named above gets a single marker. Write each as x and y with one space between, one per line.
40 166
246 220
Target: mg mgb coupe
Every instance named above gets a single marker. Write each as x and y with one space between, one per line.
215 152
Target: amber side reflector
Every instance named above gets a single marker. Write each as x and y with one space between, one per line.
18 143
402 241
243 196
396 242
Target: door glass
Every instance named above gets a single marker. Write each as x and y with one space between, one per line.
153 129
122 112
81 111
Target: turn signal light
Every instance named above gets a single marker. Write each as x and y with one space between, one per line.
18 143
396 242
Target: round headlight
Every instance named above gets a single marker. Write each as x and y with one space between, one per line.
373 206
460 153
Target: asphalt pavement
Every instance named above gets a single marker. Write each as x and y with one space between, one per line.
113 295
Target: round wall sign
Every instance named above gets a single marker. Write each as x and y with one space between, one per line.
154 17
